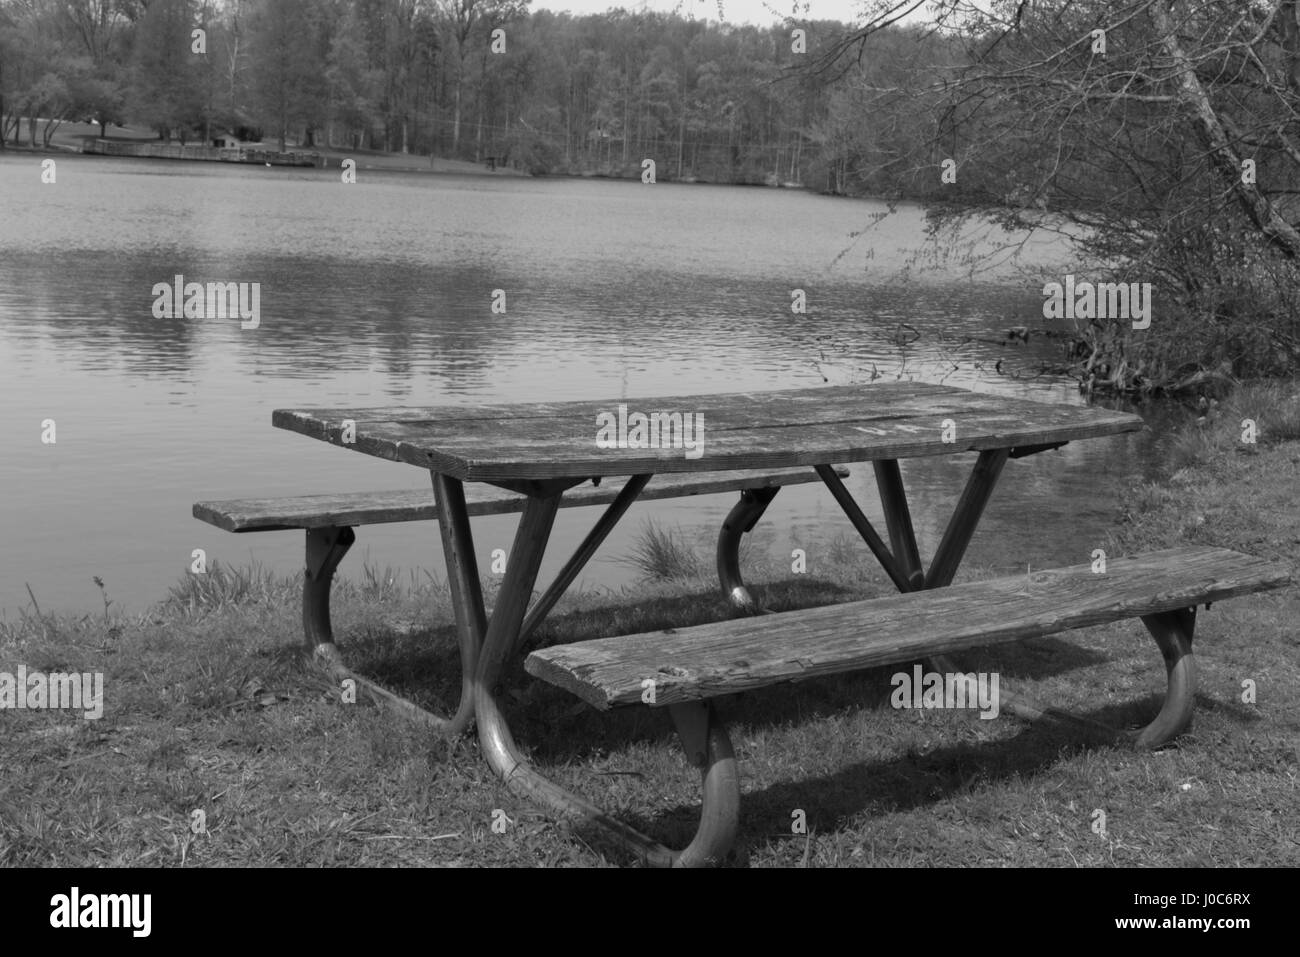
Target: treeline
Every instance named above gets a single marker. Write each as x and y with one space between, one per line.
461 78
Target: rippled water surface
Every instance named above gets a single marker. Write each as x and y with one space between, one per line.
380 293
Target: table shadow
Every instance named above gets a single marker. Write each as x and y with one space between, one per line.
556 729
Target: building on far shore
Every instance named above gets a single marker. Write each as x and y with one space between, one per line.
226 140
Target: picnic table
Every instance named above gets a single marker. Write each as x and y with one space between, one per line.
541 450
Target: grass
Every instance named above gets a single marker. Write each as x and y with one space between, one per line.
663 555
210 706
1255 415
222 587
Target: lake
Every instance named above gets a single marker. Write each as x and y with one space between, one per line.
380 293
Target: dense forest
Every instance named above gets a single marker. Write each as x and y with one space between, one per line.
1159 136
456 78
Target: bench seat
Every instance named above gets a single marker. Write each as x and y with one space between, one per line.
416 505
704 661
686 668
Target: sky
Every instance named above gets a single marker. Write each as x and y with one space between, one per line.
759 12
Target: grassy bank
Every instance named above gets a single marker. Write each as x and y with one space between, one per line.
209 706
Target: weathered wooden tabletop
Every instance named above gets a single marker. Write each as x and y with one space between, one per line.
820 426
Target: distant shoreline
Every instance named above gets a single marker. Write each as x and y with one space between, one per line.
333 161
71 139
401 163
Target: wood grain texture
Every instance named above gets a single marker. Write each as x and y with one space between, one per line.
375 508
727 657
757 430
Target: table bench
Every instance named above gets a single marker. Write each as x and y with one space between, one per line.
328 521
687 667
548 451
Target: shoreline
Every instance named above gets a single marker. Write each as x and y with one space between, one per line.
73 144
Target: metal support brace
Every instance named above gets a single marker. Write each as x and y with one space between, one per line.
742 518
1020 451
898 521
599 532
864 527
976 494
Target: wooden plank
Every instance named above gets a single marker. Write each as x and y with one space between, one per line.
727 657
412 505
748 430
770 403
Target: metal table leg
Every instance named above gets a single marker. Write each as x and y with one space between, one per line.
952 548
325 549
1172 631
714 756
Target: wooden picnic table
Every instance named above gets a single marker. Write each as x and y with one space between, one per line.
542 449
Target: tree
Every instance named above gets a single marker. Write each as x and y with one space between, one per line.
283 37
349 82
465 20
9 55
164 83
102 33
1133 122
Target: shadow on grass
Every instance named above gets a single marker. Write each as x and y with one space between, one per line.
907 781
424 665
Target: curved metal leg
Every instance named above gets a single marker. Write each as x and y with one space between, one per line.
1172 631
719 778
742 518
325 549
702 736
466 592
707 746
